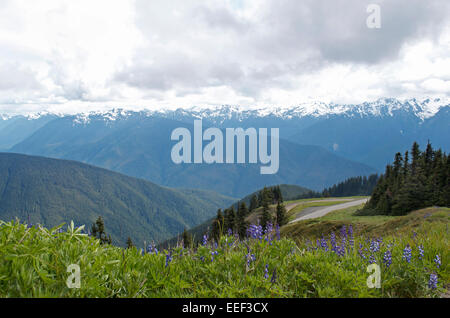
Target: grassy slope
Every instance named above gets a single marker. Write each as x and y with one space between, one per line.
376 225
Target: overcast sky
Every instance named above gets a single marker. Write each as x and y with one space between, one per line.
71 55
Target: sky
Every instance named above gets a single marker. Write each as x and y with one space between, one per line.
72 56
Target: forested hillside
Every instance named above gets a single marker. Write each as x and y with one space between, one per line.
361 185
52 191
414 180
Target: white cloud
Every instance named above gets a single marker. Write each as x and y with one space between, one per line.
65 55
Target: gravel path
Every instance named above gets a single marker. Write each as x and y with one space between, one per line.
316 212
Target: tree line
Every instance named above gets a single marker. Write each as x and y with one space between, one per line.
411 184
361 185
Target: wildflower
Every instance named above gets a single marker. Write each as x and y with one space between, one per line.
343 232
432 283
387 258
372 259
168 258
230 232
152 249
213 253
273 280
421 251
407 254
333 240
277 230
437 260
341 251
323 244
374 246
361 253
350 233
205 240
266 271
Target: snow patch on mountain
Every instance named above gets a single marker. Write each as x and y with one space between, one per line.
422 109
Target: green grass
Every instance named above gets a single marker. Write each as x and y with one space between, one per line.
33 263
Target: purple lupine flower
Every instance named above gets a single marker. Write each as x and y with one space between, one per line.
266 271
152 249
255 231
344 243
432 283
213 253
372 259
387 258
374 246
324 244
437 260
421 251
341 250
168 258
343 232
407 254
205 240
350 233
202 258
361 253
269 228
333 240
273 280
277 230
230 232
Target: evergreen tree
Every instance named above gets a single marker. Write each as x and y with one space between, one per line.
98 231
253 202
281 214
241 222
230 220
187 239
265 217
129 243
217 226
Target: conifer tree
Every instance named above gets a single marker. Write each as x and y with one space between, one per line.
265 217
217 226
98 231
129 243
241 223
187 239
281 214
253 202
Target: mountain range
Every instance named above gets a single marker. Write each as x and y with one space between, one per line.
321 144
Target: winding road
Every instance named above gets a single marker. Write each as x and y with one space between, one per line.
316 212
